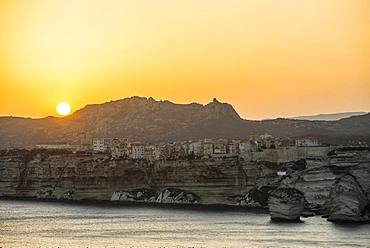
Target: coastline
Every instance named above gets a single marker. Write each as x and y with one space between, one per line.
336 188
195 207
208 208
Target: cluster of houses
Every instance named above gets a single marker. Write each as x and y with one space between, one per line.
259 147
207 148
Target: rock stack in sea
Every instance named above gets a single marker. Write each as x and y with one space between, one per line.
286 204
348 201
315 184
338 188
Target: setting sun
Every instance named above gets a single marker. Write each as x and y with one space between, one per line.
170 112
240 51
63 108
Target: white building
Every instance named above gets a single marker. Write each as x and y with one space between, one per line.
245 150
220 146
85 142
120 147
156 153
196 148
233 148
137 151
102 144
306 142
208 148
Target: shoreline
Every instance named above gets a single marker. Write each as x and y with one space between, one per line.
193 207
212 208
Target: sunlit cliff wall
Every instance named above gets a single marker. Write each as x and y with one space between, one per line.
84 176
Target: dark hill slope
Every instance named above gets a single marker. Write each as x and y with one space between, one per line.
146 119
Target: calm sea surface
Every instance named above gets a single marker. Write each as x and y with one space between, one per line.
52 224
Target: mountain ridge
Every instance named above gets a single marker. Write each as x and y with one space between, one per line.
146 119
329 116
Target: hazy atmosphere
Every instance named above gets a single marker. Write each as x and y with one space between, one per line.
266 58
193 123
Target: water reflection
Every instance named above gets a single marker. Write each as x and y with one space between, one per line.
34 224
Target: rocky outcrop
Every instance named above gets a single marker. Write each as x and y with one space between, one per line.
286 204
261 178
348 201
315 183
139 195
338 187
167 196
52 194
266 176
256 197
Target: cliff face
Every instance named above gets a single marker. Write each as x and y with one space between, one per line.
347 200
318 182
78 176
286 203
338 186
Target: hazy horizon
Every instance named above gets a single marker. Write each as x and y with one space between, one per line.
303 115
88 159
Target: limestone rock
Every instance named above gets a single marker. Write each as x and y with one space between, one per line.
348 201
162 196
256 197
44 194
315 183
125 196
115 196
97 176
286 204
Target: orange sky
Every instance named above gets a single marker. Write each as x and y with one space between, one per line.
267 58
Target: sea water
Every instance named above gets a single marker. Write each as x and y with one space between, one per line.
56 224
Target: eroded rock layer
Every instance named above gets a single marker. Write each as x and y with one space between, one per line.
337 186
65 175
286 204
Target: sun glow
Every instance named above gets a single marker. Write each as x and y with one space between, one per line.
63 108
243 52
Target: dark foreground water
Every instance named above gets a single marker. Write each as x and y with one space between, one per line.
52 224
